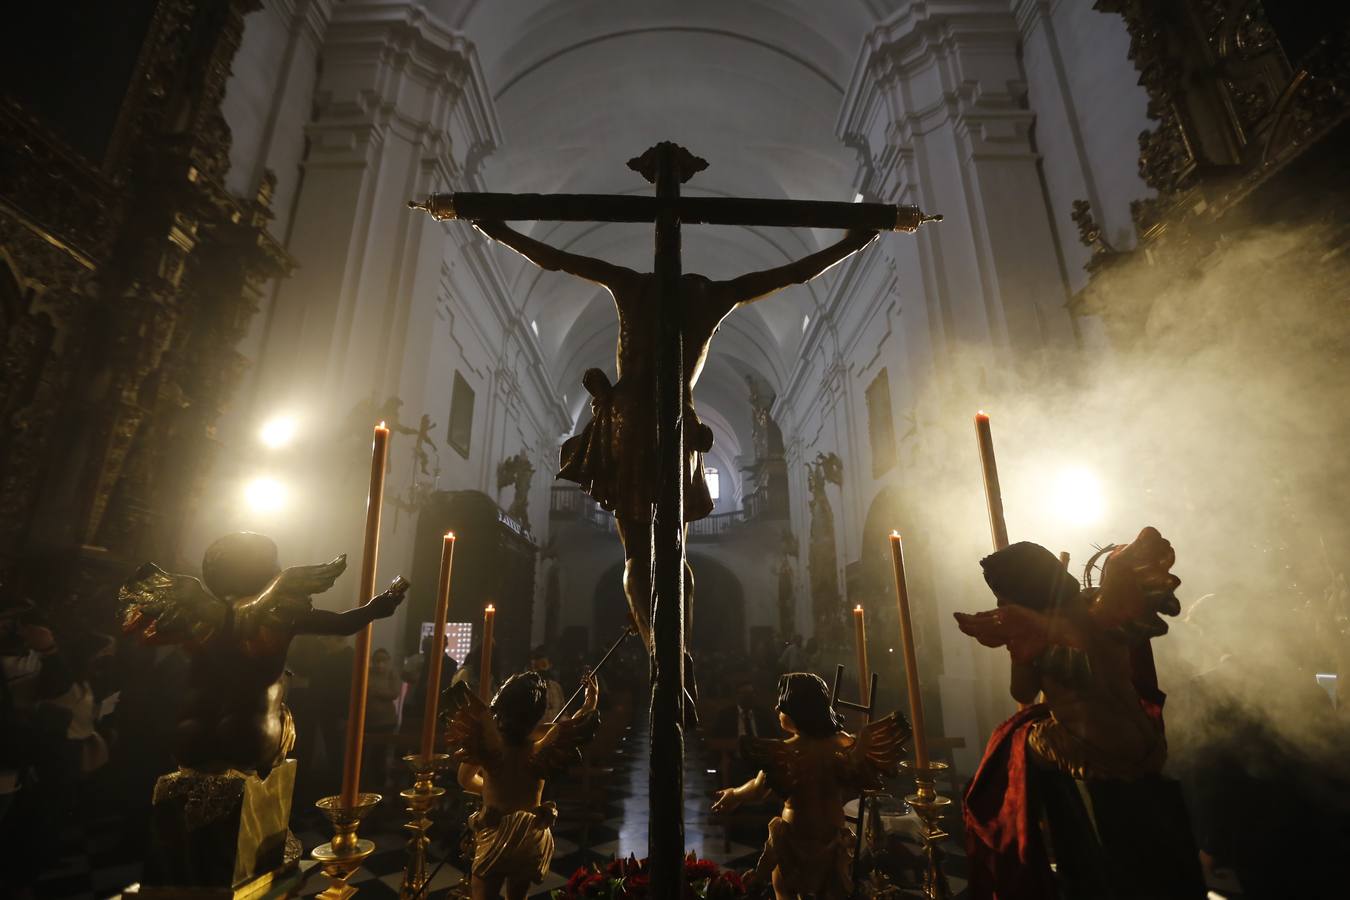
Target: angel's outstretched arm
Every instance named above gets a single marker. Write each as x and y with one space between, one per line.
758 285
322 621
753 791
555 260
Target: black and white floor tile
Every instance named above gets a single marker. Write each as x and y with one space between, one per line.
92 863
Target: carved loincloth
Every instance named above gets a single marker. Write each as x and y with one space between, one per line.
515 845
808 866
614 456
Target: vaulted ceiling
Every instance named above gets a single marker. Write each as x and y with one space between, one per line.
754 87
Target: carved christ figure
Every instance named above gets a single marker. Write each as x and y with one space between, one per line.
614 458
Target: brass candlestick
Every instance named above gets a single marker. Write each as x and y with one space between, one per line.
343 855
421 799
929 805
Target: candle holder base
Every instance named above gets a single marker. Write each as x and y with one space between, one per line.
420 800
341 857
929 806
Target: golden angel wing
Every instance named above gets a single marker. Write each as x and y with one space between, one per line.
305 581
285 598
164 608
780 762
471 734
561 744
876 752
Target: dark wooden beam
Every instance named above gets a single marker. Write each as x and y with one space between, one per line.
689 210
665 834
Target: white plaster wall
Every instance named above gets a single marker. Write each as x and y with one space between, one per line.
384 301
1089 109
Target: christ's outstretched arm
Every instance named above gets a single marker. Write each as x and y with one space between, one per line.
758 285
555 260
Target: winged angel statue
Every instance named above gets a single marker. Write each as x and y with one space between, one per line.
816 769
506 754
237 628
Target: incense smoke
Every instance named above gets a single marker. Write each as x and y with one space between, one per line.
1223 423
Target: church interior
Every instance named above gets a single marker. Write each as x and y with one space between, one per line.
583 448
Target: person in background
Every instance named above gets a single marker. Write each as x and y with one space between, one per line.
332 688
416 671
31 731
470 672
382 693
539 663
746 718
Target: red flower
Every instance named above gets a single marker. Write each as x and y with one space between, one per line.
574 883
699 868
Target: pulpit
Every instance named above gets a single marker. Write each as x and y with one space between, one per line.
494 563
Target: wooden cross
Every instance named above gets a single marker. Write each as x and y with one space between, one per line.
667 166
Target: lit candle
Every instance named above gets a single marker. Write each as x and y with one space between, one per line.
911 661
864 673
485 673
356 706
997 525
436 657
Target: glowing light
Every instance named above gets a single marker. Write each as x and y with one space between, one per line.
278 431
714 481
265 495
1077 497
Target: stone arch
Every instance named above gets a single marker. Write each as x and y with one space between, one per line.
719 606
871 582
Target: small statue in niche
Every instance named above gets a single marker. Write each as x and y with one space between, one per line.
759 419
237 628
517 471
421 458
809 847
822 560
1098 731
505 754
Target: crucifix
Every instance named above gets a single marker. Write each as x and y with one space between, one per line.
641 455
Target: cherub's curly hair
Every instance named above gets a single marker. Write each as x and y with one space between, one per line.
518 706
806 700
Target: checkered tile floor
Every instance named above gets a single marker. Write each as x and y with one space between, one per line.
92 867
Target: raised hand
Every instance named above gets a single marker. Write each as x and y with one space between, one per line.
592 694
726 800
382 606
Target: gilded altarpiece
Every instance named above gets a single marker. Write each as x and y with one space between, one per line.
128 275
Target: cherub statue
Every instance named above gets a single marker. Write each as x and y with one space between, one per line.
518 472
614 456
1100 722
816 770
421 457
505 754
237 628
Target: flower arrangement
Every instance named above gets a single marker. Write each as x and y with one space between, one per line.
629 879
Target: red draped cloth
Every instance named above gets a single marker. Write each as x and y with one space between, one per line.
1003 839
1007 855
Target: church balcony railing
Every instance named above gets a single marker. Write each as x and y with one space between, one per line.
710 528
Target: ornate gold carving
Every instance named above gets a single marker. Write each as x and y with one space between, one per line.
137 274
